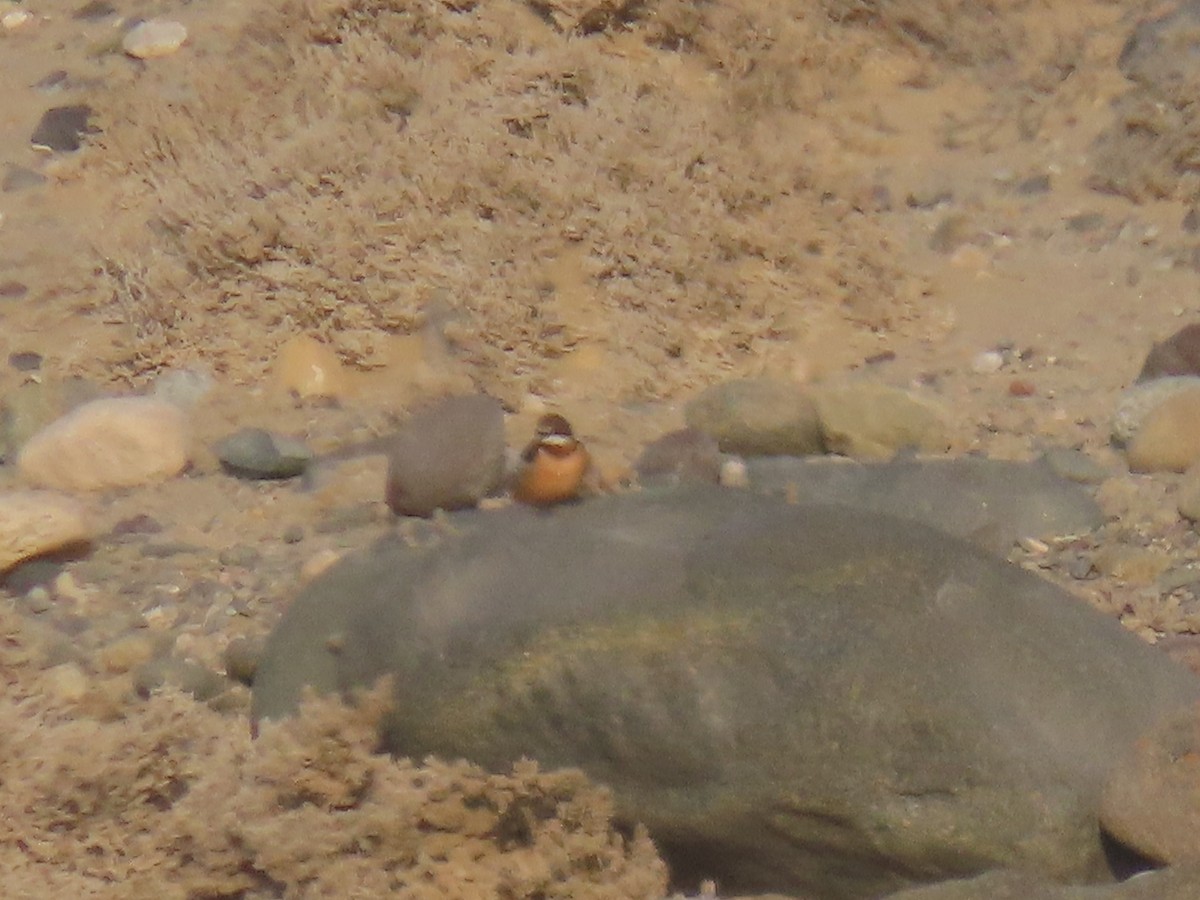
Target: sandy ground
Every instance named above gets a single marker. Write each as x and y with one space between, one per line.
936 206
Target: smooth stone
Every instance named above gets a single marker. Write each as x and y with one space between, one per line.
868 420
992 503
447 456
257 453
680 456
34 523
309 369
1074 465
1151 802
111 443
67 682
62 128
25 361
94 11
184 388
1177 355
33 405
154 38
19 178
987 362
757 417
1138 401
1169 439
793 698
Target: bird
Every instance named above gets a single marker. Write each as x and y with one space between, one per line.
553 465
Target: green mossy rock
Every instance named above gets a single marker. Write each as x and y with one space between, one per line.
805 699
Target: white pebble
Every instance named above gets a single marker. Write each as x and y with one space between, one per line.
154 38
987 362
15 19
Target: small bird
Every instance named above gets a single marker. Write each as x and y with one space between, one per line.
553 466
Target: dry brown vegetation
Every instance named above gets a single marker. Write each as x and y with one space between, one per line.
367 160
176 801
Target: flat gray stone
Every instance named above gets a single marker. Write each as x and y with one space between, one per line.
255 453
989 502
1168 884
793 698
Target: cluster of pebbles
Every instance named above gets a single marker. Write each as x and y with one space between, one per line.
140 545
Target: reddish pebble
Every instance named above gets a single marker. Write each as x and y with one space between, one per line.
1019 387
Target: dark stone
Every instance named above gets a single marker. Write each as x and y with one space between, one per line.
241 658
447 456
94 11
18 178
12 290
52 82
680 456
255 453
25 361
139 524
794 698
1033 186
1177 355
62 128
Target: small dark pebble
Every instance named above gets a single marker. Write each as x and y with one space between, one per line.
18 178
139 524
1080 568
242 557
12 290
62 128
1028 187
1191 221
241 659
51 82
25 361
93 11
1085 222
881 357
41 570
73 624
293 534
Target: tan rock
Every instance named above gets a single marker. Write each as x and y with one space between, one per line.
308 368
873 421
1151 802
1133 565
154 38
112 443
36 522
1169 438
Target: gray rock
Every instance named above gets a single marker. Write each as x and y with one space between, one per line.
448 456
183 388
989 502
873 421
1074 465
259 454
1168 884
757 417
63 127
1187 499
680 456
804 699
19 178
191 678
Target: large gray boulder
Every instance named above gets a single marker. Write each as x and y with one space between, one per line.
805 699
990 502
